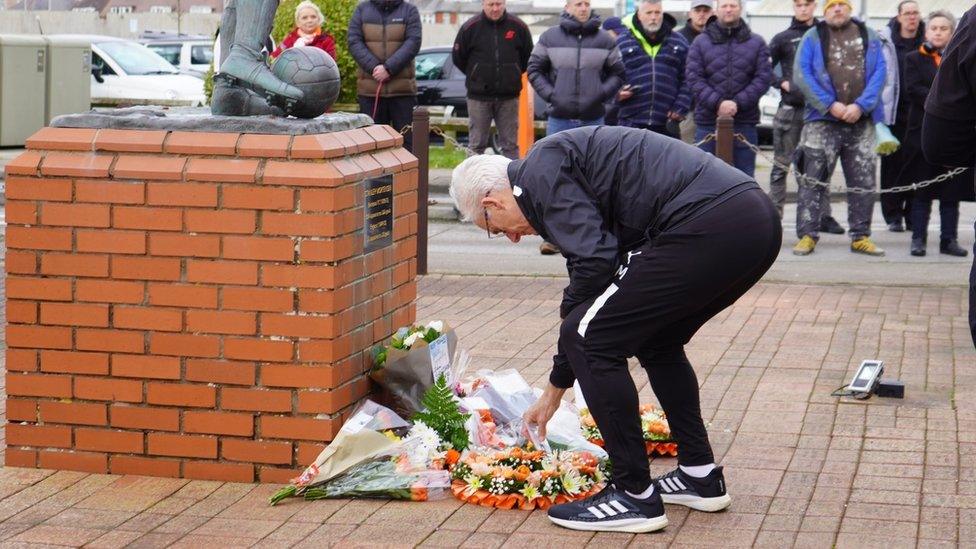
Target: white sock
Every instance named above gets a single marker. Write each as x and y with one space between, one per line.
643 495
698 471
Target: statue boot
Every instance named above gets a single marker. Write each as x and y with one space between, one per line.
229 97
253 20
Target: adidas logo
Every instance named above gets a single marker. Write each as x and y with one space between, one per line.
672 484
610 509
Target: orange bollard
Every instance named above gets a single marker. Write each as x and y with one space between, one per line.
526 117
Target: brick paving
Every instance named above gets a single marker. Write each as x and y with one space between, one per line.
804 469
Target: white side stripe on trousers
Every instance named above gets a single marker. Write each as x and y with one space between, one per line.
595 308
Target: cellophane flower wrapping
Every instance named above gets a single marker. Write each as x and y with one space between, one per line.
377 451
404 366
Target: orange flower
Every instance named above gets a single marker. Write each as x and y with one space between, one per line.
418 493
452 456
522 473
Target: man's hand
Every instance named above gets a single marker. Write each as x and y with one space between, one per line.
727 108
541 412
675 116
852 113
380 74
838 110
785 86
624 94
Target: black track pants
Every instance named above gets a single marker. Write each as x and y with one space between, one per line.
662 294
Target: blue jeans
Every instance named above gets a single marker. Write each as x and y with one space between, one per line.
556 125
742 156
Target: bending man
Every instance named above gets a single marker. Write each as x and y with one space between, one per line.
659 237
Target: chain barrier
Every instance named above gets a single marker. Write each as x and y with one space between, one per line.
807 180
442 133
800 177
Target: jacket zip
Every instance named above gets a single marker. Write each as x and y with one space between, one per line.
579 60
498 71
654 84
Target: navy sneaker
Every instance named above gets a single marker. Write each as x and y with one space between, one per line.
612 510
703 494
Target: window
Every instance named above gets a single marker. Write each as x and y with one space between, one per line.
118 10
201 55
169 52
161 9
134 58
99 64
430 66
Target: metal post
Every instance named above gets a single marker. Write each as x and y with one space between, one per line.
724 139
421 149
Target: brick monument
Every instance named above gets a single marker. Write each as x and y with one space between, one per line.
200 304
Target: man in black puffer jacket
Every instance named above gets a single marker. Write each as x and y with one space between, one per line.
652 231
728 71
576 68
492 50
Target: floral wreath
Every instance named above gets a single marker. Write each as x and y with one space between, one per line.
654 424
524 478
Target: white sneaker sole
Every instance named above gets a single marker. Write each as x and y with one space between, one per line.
709 505
631 526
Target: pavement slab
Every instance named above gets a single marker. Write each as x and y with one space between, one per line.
805 469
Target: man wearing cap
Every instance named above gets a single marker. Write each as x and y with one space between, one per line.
651 229
841 69
698 15
655 96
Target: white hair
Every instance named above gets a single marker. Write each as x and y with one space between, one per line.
308 4
474 178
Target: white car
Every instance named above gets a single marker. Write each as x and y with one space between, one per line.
768 105
191 57
127 73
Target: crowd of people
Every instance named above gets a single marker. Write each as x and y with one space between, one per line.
840 82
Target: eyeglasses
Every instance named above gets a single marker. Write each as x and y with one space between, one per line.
487 226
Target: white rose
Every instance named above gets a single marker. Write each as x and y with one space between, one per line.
437 326
411 339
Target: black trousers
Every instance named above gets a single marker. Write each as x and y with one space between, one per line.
396 112
895 207
662 294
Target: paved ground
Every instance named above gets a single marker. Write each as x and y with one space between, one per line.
805 469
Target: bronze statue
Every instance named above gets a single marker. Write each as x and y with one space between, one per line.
245 85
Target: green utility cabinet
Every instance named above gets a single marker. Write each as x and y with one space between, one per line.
23 82
68 76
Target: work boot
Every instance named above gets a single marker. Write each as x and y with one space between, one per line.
229 99
864 246
918 247
548 248
830 225
245 62
805 246
951 247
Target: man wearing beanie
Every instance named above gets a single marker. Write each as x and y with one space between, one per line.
841 70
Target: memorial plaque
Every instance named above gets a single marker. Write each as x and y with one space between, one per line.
378 228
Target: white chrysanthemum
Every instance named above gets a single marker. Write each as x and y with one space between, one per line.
474 484
530 492
436 325
572 482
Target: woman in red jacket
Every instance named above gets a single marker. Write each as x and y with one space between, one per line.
308 31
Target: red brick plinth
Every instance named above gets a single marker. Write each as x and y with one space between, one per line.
197 304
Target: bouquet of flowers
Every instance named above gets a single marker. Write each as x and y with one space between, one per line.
407 365
368 458
657 433
525 478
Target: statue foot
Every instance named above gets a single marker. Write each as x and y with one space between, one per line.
254 73
231 100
